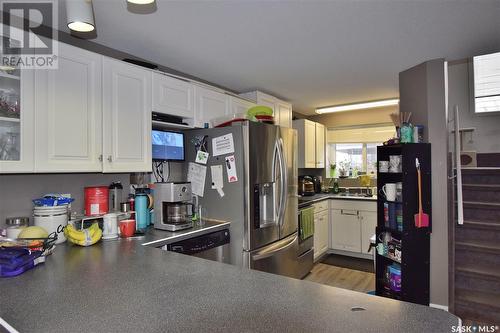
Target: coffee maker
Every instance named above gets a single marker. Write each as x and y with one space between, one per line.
173 206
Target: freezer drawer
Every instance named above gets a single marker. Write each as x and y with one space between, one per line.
280 257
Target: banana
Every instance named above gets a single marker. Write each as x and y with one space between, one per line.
84 237
80 235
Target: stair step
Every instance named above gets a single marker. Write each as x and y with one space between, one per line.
470 297
489 193
489 273
481 205
481 175
472 316
473 246
480 225
481 211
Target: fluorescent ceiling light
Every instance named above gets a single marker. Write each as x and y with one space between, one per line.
80 15
141 2
358 106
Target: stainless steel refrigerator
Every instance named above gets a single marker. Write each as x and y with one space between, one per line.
262 204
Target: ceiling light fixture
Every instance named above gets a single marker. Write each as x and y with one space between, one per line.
80 15
141 2
358 106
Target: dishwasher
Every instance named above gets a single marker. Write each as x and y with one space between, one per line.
212 246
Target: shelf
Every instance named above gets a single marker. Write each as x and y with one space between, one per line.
389 258
393 232
9 76
11 120
164 125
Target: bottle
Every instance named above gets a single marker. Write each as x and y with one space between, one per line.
115 196
336 188
141 211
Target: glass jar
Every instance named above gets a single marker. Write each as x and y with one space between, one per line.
15 225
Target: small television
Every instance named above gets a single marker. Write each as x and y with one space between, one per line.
167 145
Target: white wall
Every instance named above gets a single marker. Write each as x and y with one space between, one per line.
486 137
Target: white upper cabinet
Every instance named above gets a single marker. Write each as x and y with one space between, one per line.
311 143
239 105
68 113
173 96
282 111
320 145
209 105
126 117
17 121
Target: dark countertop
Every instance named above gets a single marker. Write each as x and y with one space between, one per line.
122 286
308 200
158 238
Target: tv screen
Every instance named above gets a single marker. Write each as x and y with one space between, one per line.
167 146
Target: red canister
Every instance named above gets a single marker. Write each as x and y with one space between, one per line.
96 200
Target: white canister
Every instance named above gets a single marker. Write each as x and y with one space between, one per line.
52 219
110 226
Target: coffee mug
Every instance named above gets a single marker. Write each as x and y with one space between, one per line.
381 248
127 228
110 226
389 190
383 166
395 163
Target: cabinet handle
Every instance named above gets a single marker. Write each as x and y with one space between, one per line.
350 214
100 158
110 159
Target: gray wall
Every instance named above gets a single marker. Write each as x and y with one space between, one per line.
486 137
17 191
422 91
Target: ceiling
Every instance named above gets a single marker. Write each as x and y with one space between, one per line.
312 53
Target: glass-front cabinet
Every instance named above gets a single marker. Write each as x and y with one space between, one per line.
16 118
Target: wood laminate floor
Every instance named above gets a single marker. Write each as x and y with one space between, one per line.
342 277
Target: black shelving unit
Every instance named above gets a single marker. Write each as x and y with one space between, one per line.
415 242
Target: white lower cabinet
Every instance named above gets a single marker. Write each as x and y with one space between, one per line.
346 230
352 223
368 225
320 233
68 113
126 117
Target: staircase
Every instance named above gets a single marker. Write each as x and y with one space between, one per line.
476 249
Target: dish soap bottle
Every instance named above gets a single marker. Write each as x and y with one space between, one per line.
336 188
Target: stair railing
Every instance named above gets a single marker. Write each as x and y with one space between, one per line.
458 168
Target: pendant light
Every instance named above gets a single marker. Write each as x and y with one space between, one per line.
141 2
80 15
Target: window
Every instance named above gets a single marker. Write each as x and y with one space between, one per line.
487 83
351 159
354 149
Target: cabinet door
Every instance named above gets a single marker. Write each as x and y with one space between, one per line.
368 224
320 233
127 117
239 105
310 144
284 110
345 230
320 145
68 113
173 96
209 105
17 121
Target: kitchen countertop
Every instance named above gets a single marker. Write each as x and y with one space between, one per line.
122 286
305 201
158 238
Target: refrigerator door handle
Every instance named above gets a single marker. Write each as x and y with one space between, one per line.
283 183
277 247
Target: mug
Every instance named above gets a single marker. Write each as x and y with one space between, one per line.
389 190
110 226
383 166
381 248
127 228
395 163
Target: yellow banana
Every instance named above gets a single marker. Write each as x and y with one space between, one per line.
80 235
85 237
